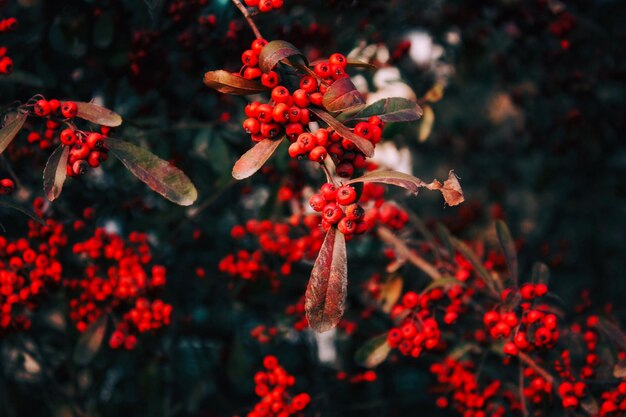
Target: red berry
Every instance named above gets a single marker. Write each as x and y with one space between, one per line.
68 137
346 226
329 191
94 141
42 108
69 109
270 80
6 186
345 169
338 59
251 126
332 213
258 44
318 154
249 58
346 195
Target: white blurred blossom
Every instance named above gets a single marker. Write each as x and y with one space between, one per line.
388 156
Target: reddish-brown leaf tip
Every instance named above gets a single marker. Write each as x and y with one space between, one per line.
251 161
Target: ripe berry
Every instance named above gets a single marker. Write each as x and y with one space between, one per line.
293 130
249 58
316 98
322 69
362 129
55 105
332 213
42 108
296 150
265 6
329 191
354 212
251 73
251 126
264 113
270 130
258 44
338 59
270 80
6 65
94 141
346 195
6 186
94 159
346 226
317 202
280 94
80 167
69 109
301 98
68 137
345 169
318 154
308 84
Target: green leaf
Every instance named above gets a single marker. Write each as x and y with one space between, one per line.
251 161
364 145
342 95
18 207
509 251
90 341
482 272
276 51
326 291
55 172
13 124
97 114
156 173
394 109
228 83
373 352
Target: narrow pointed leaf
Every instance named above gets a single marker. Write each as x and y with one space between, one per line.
426 125
357 63
481 271
450 189
391 292
393 109
276 51
326 292
98 114
228 83
55 172
90 342
156 173
364 145
443 282
251 161
11 128
342 95
373 352
403 250
540 274
10 204
510 253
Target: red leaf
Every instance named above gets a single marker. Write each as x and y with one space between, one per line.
326 292
98 114
394 109
251 161
451 189
55 172
342 95
156 173
227 83
276 51
364 145
11 128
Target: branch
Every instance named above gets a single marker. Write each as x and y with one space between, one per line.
248 18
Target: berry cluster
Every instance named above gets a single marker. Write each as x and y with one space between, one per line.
536 329
6 186
118 278
9 24
87 150
614 402
265 6
466 395
251 70
28 267
272 386
377 210
538 388
284 242
338 207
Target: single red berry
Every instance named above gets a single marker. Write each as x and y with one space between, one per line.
301 98
258 44
94 141
346 226
362 129
264 113
338 59
354 212
249 58
317 202
296 150
251 73
55 105
308 84
94 159
42 108
80 167
329 191
270 80
265 6
346 195
332 213
6 186
318 154
69 109
6 65
251 126
280 94
68 137
345 169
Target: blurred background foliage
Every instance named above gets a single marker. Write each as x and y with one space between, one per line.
531 119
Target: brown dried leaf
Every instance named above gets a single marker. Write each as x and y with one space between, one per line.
403 250
276 51
11 128
97 114
227 83
326 292
251 161
451 189
619 370
426 125
156 173
55 172
391 292
373 352
364 145
342 95
90 342
357 63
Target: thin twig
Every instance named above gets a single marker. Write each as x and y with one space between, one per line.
248 18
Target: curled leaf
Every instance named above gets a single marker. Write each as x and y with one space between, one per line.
373 352
90 342
326 291
12 126
391 292
251 161
228 83
393 109
156 173
508 249
451 189
364 145
426 125
342 95
403 250
97 114
18 207
276 51
55 172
